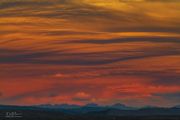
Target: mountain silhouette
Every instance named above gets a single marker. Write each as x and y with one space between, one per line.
91 112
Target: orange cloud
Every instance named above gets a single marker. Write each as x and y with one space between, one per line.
89 51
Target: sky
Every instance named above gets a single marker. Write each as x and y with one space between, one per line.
90 51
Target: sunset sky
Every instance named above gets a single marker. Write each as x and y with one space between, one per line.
90 51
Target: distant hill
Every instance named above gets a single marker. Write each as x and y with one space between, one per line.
139 112
177 106
91 112
122 107
90 105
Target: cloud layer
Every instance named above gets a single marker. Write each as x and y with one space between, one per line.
81 51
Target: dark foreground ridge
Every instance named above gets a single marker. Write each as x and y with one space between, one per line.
87 112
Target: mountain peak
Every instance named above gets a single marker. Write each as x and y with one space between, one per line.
91 105
122 106
118 105
177 106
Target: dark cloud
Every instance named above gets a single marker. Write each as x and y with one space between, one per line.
169 96
64 33
63 57
51 9
159 78
75 11
76 60
22 3
152 28
126 93
82 99
166 80
130 39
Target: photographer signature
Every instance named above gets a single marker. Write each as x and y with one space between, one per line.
11 115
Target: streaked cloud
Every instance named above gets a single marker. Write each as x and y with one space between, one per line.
80 51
